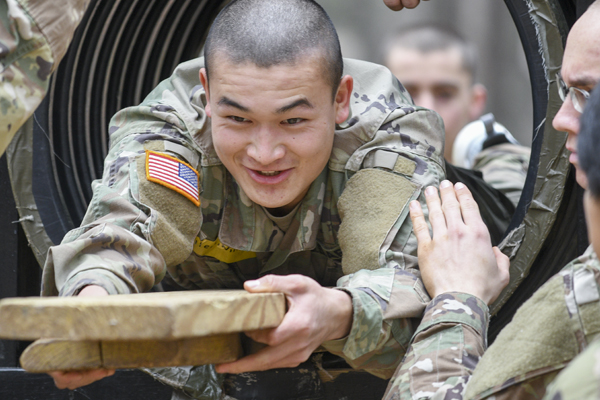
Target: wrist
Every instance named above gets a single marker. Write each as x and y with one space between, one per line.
343 318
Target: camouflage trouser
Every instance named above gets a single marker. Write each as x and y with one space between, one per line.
34 37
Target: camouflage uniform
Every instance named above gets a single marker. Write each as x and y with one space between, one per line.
137 233
504 167
34 37
546 333
580 380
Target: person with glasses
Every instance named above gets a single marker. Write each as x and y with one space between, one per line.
459 269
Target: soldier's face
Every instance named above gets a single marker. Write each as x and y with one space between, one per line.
437 80
273 128
580 69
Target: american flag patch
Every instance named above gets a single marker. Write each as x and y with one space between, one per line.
174 174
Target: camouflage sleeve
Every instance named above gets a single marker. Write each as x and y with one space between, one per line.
128 238
34 36
444 350
387 293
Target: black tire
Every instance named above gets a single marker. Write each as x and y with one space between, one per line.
106 69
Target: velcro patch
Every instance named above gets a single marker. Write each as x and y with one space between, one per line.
174 174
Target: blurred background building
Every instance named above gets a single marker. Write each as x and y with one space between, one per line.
363 27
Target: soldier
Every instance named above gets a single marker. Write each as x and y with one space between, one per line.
34 37
263 166
581 379
437 66
550 329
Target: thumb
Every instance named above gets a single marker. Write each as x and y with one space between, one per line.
503 265
268 283
287 284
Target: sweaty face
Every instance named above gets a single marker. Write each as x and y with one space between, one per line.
581 69
273 127
437 80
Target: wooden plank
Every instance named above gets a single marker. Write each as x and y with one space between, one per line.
145 316
52 354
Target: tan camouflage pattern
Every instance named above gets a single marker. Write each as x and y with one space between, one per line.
34 36
580 380
504 167
122 244
445 349
449 376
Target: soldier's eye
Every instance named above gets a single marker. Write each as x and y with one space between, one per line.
293 121
237 119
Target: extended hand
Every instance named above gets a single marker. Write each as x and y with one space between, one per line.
459 257
315 315
74 379
398 5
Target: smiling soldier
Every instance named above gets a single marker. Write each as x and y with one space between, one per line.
292 171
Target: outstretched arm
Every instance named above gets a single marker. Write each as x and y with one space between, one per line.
463 274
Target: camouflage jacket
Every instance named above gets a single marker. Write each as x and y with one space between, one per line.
580 380
137 232
34 37
447 360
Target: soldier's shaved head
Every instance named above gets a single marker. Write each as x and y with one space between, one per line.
268 33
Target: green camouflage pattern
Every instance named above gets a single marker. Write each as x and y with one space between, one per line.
137 234
504 167
580 380
454 376
34 36
444 350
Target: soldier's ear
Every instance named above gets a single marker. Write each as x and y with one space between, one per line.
342 99
204 82
478 101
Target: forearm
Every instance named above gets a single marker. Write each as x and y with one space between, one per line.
387 304
444 351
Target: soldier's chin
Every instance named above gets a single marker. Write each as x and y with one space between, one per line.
580 177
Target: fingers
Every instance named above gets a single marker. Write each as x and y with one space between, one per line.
450 205
75 379
468 205
410 3
397 5
420 227
284 356
436 215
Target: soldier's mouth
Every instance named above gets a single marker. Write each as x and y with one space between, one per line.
268 173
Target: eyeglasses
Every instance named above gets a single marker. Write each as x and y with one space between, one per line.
578 96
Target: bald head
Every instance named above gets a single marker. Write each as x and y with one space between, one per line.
580 69
268 33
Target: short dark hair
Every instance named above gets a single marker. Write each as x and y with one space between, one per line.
588 143
274 32
430 37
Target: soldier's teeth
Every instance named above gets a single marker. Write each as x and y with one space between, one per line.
269 173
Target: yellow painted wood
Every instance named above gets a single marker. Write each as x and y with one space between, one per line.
46 355
146 316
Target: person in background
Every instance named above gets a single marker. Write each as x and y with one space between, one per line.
437 66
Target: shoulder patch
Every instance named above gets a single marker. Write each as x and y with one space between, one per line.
174 174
